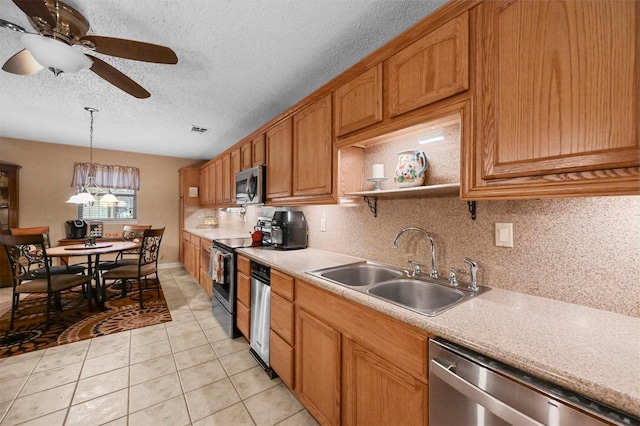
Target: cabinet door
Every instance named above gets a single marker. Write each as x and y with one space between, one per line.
236 167
243 320
431 69
258 145
377 392
218 185
358 104
226 178
279 160
313 149
246 157
317 380
204 186
281 359
558 104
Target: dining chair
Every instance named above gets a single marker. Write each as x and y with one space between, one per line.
27 256
130 257
53 269
147 264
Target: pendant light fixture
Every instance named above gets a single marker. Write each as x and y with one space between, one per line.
85 192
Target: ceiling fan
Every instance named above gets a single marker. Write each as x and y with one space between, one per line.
60 27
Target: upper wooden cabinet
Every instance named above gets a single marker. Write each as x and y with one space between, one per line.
313 150
433 68
218 181
189 178
358 104
246 156
236 167
279 144
207 185
557 100
258 146
226 178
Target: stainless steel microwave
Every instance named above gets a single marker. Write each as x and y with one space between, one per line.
251 186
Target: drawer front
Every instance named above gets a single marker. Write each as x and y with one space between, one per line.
282 284
243 320
244 289
281 358
186 236
391 339
195 240
282 318
205 245
244 265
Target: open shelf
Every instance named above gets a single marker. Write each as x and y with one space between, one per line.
371 197
429 190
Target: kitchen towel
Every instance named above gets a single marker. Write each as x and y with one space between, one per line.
218 267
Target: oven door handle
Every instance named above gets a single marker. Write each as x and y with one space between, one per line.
480 397
222 253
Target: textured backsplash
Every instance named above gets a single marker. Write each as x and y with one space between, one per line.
578 250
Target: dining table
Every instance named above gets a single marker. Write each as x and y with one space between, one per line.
93 252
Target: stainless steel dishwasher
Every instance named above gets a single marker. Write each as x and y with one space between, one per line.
261 315
467 388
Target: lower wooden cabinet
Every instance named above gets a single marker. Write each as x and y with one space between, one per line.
243 296
355 365
281 353
375 391
205 259
318 352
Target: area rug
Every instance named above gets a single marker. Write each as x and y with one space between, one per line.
76 322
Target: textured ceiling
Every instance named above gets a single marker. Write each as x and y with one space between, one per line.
241 63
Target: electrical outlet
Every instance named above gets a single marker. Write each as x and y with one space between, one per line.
504 234
323 224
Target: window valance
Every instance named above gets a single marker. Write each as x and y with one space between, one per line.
106 176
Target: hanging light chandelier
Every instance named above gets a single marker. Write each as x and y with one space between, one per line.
85 194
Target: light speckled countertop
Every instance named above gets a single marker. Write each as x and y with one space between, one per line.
593 352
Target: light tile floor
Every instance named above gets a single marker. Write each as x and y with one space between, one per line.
185 372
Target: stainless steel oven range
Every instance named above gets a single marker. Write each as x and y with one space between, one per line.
223 265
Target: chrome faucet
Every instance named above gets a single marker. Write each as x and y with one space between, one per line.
473 271
434 270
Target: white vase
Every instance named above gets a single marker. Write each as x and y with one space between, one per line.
410 169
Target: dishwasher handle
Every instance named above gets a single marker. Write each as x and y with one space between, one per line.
489 402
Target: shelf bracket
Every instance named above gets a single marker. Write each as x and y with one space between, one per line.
472 209
373 207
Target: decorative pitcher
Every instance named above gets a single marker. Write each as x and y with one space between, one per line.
410 169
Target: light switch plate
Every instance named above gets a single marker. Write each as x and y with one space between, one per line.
504 234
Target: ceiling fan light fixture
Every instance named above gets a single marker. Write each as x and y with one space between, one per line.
51 53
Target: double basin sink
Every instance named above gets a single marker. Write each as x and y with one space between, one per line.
425 295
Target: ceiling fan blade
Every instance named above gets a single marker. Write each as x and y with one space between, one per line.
22 63
118 79
135 50
36 8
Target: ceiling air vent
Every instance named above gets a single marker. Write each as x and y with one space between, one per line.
198 130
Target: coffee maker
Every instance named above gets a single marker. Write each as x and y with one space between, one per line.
76 229
289 230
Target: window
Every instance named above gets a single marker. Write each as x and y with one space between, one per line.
126 208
